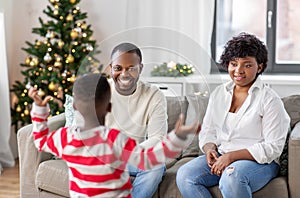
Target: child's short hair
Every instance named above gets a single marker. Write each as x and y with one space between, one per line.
245 45
91 88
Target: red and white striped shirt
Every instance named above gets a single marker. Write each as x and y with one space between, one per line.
97 158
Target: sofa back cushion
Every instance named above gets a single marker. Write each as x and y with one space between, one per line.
197 105
175 106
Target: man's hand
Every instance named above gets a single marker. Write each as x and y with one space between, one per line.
33 93
182 131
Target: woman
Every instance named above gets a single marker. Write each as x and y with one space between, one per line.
243 131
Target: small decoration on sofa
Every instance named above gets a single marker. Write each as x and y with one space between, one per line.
173 69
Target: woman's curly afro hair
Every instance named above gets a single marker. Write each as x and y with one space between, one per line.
242 46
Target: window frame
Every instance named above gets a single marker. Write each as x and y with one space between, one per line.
273 67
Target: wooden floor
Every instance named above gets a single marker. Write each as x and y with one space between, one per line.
10 182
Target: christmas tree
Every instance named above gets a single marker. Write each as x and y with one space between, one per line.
64 48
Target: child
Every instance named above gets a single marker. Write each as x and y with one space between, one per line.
96 155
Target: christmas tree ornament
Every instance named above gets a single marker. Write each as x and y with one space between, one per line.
18 109
75 11
52 86
64 74
84 35
70 59
73 78
57 64
28 85
34 62
78 29
47 57
55 12
26 112
60 43
61 18
72 1
83 26
69 17
28 60
74 34
89 47
41 93
50 68
38 43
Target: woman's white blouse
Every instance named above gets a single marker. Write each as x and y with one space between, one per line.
260 125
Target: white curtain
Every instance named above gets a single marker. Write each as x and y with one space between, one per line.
177 30
6 157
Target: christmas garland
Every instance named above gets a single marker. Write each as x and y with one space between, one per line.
172 69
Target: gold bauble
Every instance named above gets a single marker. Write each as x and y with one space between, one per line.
18 109
38 43
52 1
41 93
72 1
52 86
55 12
57 64
74 34
26 112
83 26
70 58
60 43
69 17
35 61
28 60
72 78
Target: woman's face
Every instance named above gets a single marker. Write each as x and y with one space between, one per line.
243 71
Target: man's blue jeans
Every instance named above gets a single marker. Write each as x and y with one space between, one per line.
239 179
146 182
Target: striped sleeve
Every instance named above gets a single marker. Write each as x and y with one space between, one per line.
146 158
52 142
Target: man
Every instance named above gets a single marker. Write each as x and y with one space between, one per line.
139 110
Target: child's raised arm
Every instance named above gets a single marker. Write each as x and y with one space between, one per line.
33 93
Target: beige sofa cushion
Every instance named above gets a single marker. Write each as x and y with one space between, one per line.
52 176
292 106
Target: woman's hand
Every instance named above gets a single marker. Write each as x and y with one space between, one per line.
33 93
211 157
182 131
220 164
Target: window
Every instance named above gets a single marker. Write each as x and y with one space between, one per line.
274 21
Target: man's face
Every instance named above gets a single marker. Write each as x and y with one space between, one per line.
125 70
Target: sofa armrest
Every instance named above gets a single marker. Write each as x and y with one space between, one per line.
294 162
30 158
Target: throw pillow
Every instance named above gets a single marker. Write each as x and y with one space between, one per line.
283 159
69 110
197 105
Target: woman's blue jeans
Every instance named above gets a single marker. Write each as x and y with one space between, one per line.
239 179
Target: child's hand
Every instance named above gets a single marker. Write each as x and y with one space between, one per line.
33 93
182 131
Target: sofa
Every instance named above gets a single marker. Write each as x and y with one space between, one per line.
43 176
